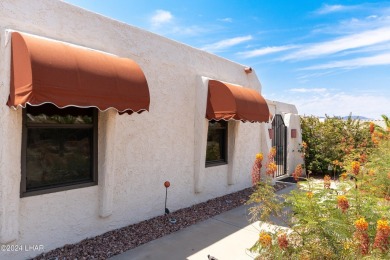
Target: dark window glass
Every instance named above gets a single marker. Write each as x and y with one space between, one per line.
216 143
59 149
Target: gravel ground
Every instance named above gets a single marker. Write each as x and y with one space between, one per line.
120 240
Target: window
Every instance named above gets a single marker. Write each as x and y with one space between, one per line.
216 153
59 149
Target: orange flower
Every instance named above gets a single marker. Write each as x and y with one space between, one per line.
372 127
304 145
371 172
272 153
282 241
382 225
256 168
343 176
265 239
342 203
355 167
309 194
298 172
363 158
327 182
271 168
374 140
362 236
382 236
364 241
259 156
361 224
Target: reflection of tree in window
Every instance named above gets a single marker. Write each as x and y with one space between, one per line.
60 147
216 141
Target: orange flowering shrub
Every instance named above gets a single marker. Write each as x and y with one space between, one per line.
372 127
361 236
265 239
282 241
271 165
256 169
272 154
342 203
338 222
382 236
271 168
355 166
363 158
327 182
337 163
298 172
361 224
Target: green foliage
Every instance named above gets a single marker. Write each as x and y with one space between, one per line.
333 139
322 221
265 202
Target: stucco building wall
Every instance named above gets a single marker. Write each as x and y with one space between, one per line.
137 153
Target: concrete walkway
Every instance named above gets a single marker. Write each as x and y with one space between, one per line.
226 237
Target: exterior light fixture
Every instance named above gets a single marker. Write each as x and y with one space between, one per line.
166 185
248 70
293 133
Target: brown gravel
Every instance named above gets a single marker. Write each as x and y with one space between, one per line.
120 240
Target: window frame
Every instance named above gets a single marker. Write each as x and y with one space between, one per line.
58 187
223 161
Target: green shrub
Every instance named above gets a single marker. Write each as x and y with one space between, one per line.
347 219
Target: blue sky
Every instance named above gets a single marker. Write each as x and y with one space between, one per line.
328 57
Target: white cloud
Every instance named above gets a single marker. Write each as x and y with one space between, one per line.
341 104
327 9
226 20
352 41
226 43
161 17
264 51
380 59
309 90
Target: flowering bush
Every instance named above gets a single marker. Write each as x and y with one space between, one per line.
256 169
271 165
382 236
334 142
297 172
342 203
344 219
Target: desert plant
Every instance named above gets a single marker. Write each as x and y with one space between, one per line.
333 139
347 219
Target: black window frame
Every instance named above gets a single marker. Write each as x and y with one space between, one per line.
59 187
224 160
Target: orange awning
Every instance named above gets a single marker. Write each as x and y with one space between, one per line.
46 71
226 101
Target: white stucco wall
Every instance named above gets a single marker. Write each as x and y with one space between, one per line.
137 153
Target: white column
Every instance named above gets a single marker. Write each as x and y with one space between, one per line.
10 154
200 133
233 151
107 140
